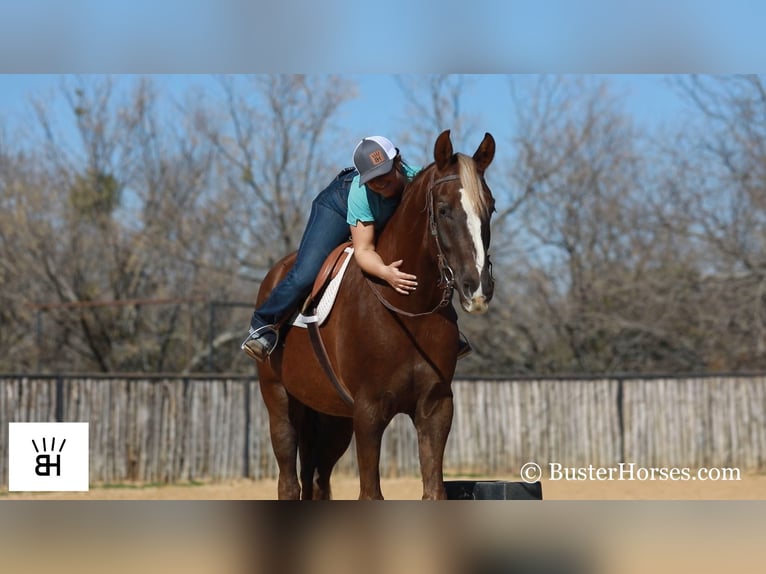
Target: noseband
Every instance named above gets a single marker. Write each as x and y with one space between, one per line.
446 274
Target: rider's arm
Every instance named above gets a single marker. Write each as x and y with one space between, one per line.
363 238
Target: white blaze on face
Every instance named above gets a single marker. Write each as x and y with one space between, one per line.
474 228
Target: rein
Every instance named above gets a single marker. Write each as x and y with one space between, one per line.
446 274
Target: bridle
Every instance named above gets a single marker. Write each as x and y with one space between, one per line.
446 274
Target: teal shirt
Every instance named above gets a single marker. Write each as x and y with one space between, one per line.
369 207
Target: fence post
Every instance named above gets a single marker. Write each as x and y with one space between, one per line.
248 418
59 399
621 416
211 336
39 337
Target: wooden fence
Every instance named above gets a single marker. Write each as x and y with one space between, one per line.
169 429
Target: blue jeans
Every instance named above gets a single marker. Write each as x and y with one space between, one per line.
325 230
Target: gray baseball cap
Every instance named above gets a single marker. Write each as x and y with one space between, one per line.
373 156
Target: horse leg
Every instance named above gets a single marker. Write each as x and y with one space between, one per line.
329 441
284 438
284 441
368 429
336 433
308 448
433 419
323 440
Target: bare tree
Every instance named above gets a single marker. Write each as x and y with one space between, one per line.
576 268
269 133
717 202
103 214
19 201
434 103
614 248
124 202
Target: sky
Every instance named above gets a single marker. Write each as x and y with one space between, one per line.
481 36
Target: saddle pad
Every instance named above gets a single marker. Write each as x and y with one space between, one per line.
328 297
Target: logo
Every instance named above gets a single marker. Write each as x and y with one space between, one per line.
377 157
44 463
50 457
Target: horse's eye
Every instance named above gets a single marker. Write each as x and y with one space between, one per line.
443 210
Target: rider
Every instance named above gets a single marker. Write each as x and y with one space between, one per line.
363 198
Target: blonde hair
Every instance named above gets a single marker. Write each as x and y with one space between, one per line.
471 182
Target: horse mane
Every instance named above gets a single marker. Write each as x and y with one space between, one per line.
416 183
470 180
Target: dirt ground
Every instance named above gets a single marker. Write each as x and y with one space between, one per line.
750 487
631 539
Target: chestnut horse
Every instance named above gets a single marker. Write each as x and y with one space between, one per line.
393 353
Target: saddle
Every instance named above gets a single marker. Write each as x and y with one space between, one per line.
329 270
333 265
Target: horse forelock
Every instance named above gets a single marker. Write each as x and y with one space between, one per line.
471 182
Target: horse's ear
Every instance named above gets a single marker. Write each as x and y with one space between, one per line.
485 152
443 150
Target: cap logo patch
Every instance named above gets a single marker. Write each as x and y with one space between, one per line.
377 157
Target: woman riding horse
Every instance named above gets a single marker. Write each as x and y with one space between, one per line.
363 198
390 349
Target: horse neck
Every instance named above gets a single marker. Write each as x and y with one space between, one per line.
407 236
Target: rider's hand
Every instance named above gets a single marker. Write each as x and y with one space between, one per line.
403 283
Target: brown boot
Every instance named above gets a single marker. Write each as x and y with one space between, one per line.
257 349
260 343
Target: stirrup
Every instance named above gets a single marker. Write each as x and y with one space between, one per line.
256 334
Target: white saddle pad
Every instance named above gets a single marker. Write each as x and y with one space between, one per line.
328 297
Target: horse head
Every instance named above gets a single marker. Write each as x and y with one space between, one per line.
461 207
